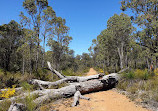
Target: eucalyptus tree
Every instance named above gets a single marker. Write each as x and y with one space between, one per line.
145 16
107 49
121 28
111 48
60 41
48 24
10 35
34 9
28 50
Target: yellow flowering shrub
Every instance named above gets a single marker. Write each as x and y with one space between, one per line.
156 71
106 73
8 92
141 74
101 70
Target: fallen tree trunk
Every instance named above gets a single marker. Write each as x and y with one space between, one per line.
65 80
84 85
74 78
108 81
54 71
17 107
16 89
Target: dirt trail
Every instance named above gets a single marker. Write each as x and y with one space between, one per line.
101 101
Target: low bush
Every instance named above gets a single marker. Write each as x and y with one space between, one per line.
31 106
139 84
4 106
141 74
137 74
8 92
26 86
129 75
69 72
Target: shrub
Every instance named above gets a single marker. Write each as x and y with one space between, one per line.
137 74
8 92
28 101
133 88
31 106
141 74
101 70
4 106
11 81
68 72
26 86
122 85
156 72
129 75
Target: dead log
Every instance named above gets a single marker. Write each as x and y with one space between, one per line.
17 107
87 84
17 89
74 78
65 80
54 71
108 81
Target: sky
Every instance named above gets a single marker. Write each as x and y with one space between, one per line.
86 18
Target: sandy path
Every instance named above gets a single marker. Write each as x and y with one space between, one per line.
101 101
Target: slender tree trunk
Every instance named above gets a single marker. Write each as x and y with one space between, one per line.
30 58
38 45
43 61
157 48
147 61
121 55
23 65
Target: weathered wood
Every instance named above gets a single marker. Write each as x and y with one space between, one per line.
78 95
104 83
80 85
108 81
17 107
17 89
74 78
65 80
54 71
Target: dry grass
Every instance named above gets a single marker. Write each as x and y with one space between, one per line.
140 85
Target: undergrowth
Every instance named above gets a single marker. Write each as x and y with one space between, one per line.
140 84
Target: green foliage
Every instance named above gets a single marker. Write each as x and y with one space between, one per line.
145 16
122 85
29 103
26 86
142 74
4 106
68 72
112 44
138 87
129 75
10 40
79 72
42 74
137 74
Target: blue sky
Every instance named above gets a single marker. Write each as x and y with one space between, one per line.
86 18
